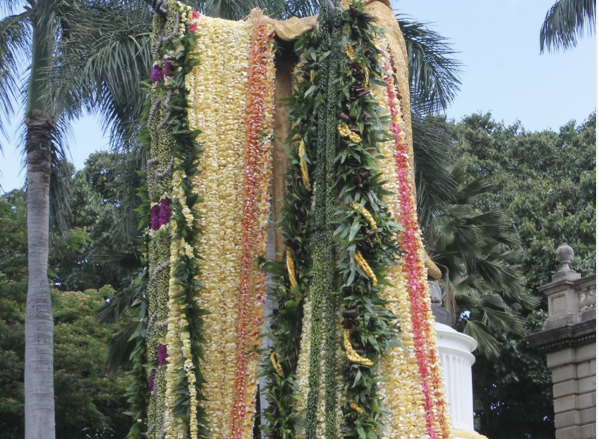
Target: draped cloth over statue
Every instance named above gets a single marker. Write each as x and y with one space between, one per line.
222 103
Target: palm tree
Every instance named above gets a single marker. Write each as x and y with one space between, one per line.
565 22
54 98
35 30
477 252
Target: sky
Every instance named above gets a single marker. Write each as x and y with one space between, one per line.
497 43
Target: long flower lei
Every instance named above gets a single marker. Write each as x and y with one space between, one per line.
337 126
292 275
167 388
231 94
422 333
366 232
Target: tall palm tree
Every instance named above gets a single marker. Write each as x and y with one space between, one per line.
565 22
37 30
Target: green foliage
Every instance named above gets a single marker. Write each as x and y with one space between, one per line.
13 238
89 400
545 182
565 22
99 247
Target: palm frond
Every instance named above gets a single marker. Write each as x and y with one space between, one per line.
301 8
122 301
434 183
120 347
565 22
238 9
500 321
15 41
60 179
102 62
487 344
433 73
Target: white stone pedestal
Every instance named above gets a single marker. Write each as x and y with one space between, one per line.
455 355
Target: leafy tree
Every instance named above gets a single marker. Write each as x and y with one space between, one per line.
565 22
89 400
100 248
13 289
546 185
478 253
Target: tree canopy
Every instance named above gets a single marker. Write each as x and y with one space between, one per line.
89 400
546 186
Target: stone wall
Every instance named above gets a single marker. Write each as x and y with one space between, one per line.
569 342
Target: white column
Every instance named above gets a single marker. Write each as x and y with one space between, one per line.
455 355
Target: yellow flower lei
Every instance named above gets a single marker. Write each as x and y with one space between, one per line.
345 131
365 267
364 212
215 101
353 356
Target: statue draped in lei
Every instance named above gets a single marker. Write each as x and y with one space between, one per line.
350 266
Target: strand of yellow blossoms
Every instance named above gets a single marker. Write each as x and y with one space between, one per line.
401 389
231 100
414 275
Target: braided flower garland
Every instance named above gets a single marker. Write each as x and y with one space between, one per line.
402 395
411 287
172 329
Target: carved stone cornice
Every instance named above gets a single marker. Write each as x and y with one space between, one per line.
565 337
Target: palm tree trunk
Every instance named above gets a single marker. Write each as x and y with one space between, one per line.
39 323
